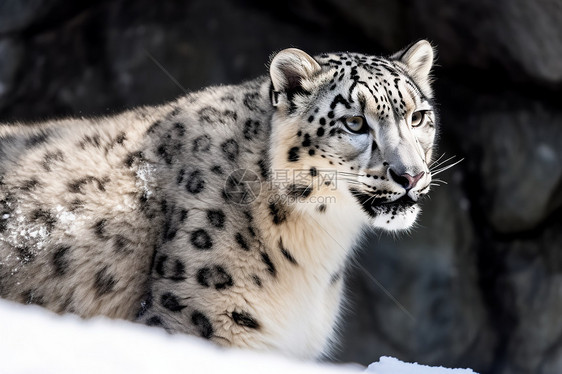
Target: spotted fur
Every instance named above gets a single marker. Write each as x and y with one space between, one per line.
229 213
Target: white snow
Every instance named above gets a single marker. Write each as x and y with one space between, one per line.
391 365
145 178
20 230
33 340
65 217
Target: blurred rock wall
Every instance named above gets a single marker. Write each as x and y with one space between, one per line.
479 282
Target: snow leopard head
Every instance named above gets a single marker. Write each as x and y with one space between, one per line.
367 121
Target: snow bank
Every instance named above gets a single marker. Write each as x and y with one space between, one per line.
391 365
33 340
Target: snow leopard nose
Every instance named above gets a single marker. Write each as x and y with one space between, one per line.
406 180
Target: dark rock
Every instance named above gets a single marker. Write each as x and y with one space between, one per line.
16 15
63 73
11 52
386 28
530 289
520 36
515 147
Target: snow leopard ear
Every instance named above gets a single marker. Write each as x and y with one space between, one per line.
288 69
417 58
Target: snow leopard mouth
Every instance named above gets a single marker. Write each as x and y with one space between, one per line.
374 206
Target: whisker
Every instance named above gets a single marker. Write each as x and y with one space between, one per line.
438 171
366 201
439 181
441 164
436 161
433 167
348 172
370 198
344 178
354 183
352 174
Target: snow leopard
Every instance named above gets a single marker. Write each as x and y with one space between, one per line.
229 213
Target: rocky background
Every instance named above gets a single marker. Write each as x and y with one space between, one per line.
479 282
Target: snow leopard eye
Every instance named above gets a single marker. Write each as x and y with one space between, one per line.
417 118
356 124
